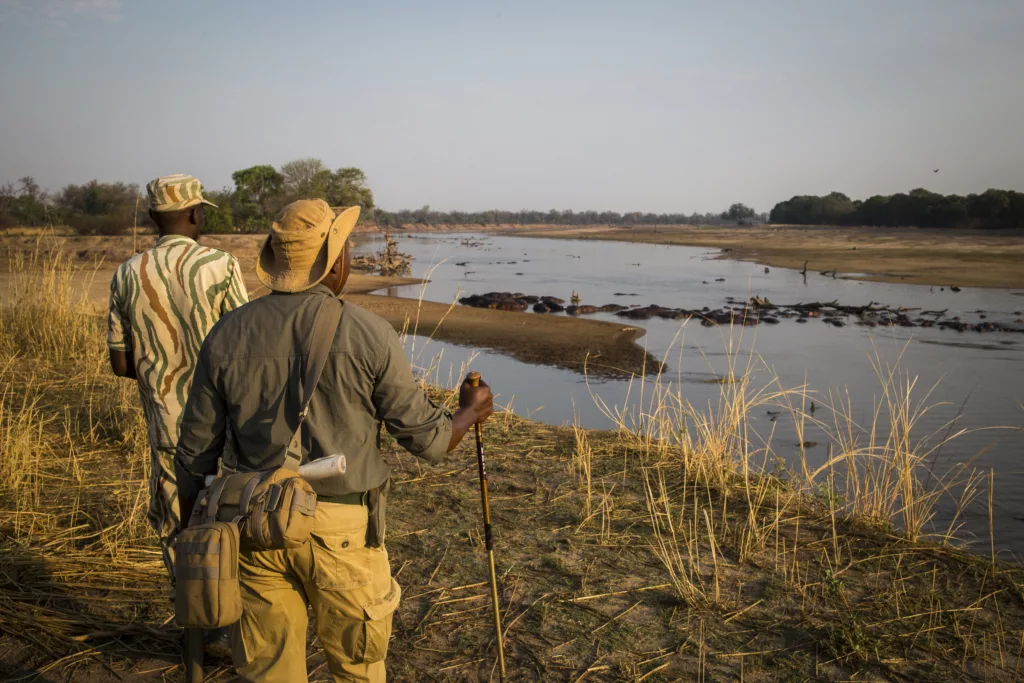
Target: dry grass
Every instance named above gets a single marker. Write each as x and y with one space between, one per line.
676 547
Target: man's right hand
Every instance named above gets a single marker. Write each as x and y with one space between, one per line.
476 404
477 399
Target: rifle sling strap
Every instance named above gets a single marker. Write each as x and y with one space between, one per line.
325 326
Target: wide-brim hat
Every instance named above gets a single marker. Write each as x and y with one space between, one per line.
304 242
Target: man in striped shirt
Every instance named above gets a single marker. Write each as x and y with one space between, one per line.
163 302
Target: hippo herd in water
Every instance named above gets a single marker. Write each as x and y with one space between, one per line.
507 301
753 312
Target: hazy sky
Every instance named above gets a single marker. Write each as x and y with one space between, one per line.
651 106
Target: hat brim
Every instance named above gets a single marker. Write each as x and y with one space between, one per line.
181 206
276 276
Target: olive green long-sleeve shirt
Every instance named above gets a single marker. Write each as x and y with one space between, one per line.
244 401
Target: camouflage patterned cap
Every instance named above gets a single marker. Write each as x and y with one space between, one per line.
175 192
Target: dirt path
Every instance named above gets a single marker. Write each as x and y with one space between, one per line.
907 255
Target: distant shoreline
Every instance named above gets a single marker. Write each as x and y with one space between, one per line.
916 256
919 256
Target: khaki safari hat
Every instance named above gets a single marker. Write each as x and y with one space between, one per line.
304 242
175 192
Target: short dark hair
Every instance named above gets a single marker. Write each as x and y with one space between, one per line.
169 219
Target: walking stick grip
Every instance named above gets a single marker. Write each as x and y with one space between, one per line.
473 378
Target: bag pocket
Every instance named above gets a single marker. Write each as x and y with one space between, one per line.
207 592
340 561
379 616
360 632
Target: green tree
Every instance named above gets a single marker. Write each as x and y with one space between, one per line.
257 188
306 179
102 208
27 205
220 219
347 187
738 212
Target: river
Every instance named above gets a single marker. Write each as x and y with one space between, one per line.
975 379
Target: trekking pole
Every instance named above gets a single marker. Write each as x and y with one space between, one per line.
193 655
474 380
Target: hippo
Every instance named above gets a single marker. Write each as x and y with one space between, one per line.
644 313
502 301
587 310
552 300
571 310
555 307
647 312
540 308
671 314
507 306
612 308
718 317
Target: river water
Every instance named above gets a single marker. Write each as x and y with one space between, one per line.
974 380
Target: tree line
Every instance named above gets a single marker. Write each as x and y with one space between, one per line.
259 192
992 209
736 213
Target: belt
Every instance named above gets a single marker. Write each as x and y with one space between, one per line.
357 498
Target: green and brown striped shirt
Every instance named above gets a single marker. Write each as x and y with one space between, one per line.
163 302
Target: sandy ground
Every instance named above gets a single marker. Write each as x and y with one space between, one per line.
908 255
558 341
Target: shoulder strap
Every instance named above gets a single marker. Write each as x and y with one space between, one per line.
325 326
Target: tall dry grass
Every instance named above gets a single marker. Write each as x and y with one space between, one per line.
46 315
881 473
74 466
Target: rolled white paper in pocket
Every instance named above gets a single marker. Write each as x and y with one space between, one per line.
324 468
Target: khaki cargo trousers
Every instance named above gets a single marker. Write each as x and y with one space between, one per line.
349 587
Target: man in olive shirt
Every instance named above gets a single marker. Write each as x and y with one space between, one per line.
243 407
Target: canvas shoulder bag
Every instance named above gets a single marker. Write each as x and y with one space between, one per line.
275 508
207 593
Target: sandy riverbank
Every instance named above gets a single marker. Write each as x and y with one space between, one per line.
901 255
547 340
558 341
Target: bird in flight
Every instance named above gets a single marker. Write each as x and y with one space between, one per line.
935 171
